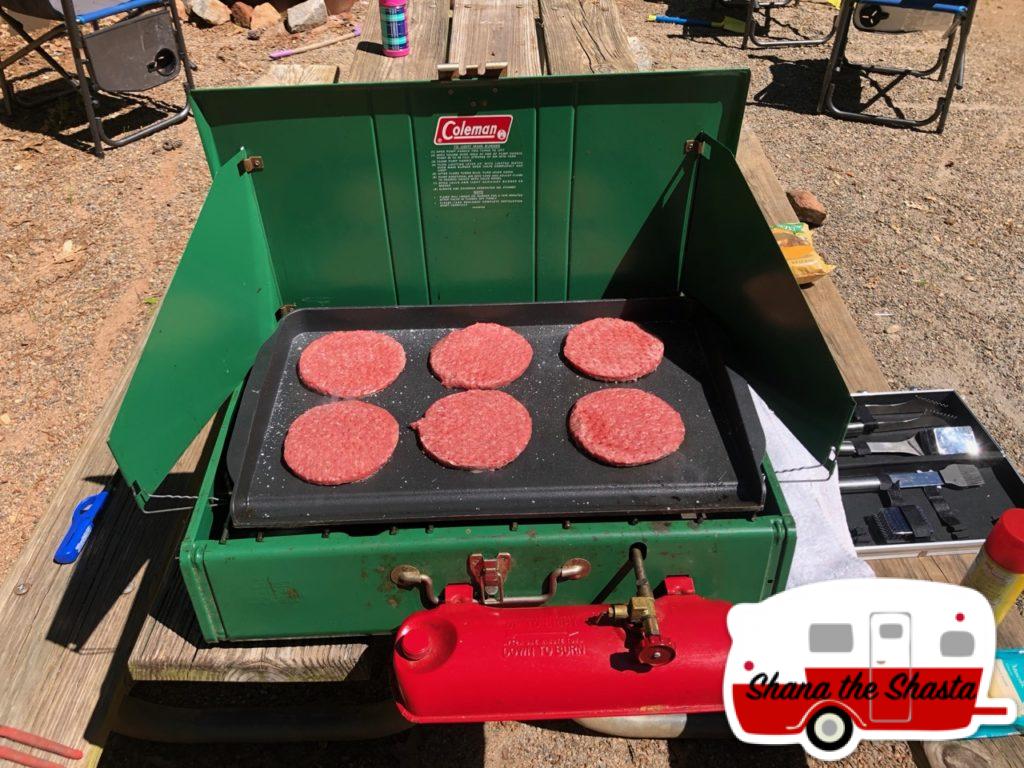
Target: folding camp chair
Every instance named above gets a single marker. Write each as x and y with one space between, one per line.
140 51
956 36
759 22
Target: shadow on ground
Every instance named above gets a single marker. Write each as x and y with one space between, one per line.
795 84
52 109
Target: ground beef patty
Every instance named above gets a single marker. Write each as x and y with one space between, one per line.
341 442
610 349
482 356
625 427
351 363
479 429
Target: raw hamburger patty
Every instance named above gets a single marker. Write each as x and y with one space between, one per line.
351 363
610 349
625 427
482 356
478 429
340 442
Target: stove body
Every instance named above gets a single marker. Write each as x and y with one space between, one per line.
470 198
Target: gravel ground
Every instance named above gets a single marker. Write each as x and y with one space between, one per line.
924 230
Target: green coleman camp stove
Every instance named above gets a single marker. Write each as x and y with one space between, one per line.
416 208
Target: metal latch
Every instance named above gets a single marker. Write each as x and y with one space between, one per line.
489 574
488 70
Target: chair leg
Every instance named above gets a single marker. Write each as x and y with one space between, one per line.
835 62
179 37
749 30
947 51
956 76
7 92
84 86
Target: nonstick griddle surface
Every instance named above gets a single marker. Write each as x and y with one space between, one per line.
715 470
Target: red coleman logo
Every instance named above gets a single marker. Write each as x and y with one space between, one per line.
478 129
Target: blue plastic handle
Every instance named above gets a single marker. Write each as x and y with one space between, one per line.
112 10
682 20
82 520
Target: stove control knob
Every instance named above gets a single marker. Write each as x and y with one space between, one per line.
655 651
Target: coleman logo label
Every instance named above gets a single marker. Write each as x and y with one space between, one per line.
477 129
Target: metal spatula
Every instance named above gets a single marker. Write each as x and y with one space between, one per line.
940 441
953 476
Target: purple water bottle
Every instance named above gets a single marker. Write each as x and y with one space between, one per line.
394 27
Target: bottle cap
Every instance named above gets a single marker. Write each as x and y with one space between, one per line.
1005 544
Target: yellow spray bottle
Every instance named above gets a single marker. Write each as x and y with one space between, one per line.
998 570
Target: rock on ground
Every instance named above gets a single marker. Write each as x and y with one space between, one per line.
306 16
808 208
213 12
241 14
264 16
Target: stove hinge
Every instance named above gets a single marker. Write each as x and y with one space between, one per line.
251 164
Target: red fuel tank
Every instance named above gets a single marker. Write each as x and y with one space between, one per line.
466 662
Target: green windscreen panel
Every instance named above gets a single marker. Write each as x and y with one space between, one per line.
475 190
215 315
735 268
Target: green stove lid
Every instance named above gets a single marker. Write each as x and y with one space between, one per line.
532 189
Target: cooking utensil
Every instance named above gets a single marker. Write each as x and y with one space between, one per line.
953 476
903 523
897 422
729 24
286 52
940 441
917 412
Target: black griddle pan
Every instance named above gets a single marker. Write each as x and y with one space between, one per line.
716 470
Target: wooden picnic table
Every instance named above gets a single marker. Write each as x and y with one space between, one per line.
75 638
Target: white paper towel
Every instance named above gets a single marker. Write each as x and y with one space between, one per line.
824 550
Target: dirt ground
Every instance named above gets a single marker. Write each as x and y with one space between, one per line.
924 231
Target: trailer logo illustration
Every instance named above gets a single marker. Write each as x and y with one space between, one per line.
828 664
475 129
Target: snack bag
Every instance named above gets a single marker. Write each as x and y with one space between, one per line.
795 241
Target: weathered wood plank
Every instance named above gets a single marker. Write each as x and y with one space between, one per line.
495 30
428 31
584 36
170 647
299 74
856 362
68 629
